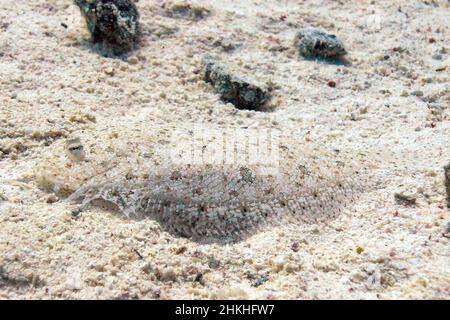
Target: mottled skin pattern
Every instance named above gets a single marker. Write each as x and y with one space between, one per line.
313 43
112 23
242 94
220 201
229 203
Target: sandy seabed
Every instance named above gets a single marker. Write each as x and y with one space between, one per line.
390 103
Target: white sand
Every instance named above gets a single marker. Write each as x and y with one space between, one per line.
53 86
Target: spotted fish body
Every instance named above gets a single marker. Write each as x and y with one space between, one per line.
227 203
225 206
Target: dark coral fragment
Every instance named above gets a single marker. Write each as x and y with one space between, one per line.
313 43
231 88
114 24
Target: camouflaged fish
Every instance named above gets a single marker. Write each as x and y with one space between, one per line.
214 202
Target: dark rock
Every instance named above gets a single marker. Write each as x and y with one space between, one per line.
313 43
114 24
295 246
241 93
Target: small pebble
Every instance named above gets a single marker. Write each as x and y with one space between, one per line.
133 60
52 199
279 263
295 247
314 43
109 71
185 10
437 56
260 281
168 274
403 199
180 250
354 116
75 213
